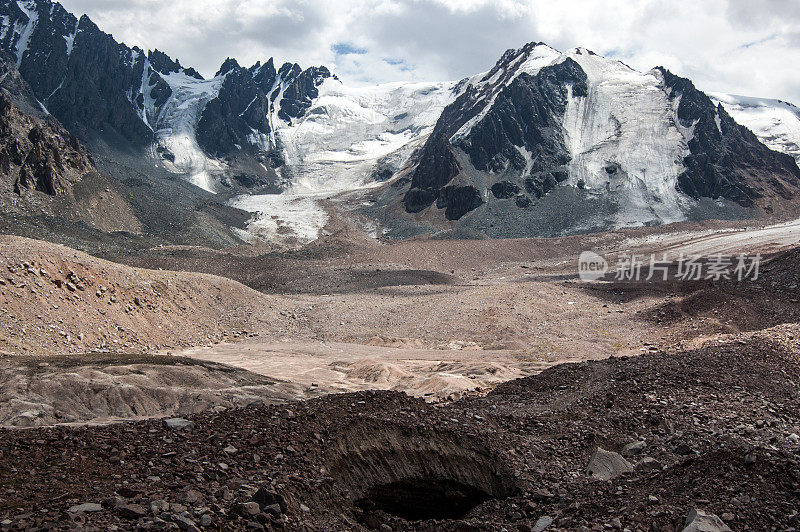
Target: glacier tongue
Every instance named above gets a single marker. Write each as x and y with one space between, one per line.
282 218
623 139
176 126
776 123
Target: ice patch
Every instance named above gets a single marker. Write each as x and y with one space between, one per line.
283 218
337 144
29 8
70 40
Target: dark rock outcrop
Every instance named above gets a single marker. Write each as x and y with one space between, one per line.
301 90
38 154
525 117
240 109
164 64
505 190
249 97
726 159
83 76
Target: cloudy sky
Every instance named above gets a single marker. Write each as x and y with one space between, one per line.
749 47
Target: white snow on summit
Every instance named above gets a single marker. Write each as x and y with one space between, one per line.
528 63
626 124
776 123
624 138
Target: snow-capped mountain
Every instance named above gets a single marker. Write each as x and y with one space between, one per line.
545 142
776 123
551 142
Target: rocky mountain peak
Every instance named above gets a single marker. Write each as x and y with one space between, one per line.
228 65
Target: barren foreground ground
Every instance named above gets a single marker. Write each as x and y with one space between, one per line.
435 319
679 407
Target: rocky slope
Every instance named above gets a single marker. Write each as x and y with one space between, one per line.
54 300
658 442
38 155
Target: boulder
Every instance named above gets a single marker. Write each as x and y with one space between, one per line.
607 465
178 423
700 521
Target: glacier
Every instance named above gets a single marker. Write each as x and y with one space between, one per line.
336 146
627 125
176 126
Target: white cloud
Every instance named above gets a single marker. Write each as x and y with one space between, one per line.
740 46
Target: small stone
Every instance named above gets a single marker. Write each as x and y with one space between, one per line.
541 495
793 438
250 508
88 507
131 511
304 508
633 448
607 465
159 505
684 449
648 464
616 524
230 449
652 500
177 508
185 523
206 520
728 517
269 499
273 509
542 524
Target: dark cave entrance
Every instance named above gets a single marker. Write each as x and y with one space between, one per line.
423 499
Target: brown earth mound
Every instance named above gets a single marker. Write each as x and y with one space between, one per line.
55 300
